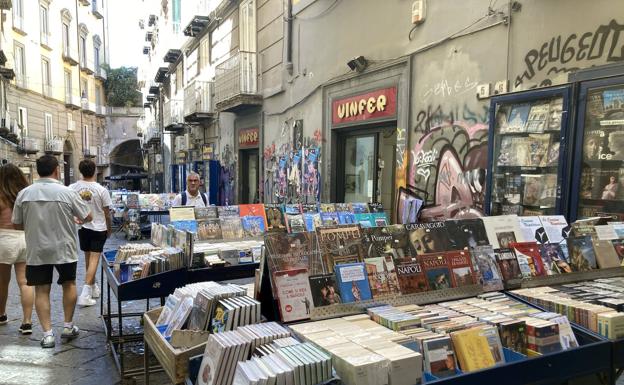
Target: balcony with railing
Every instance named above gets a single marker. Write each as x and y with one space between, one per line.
173 119
198 100
54 145
97 8
102 159
18 24
47 90
100 73
86 65
46 39
21 80
89 152
236 83
88 106
28 146
70 55
152 134
100 110
72 100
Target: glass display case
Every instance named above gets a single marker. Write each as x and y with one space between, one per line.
527 160
598 185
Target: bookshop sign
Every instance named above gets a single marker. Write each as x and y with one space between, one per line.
363 107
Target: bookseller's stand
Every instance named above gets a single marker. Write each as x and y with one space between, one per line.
154 286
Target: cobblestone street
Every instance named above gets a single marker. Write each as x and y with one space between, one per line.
85 360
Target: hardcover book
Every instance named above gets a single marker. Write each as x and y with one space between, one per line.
353 282
377 214
365 220
311 216
340 244
472 350
466 233
325 291
606 256
253 226
489 270
554 259
231 227
439 357
582 257
518 117
430 237
392 241
253 210
293 294
462 273
228 211
293 251
202 213
411 276
528 256
508 264
502 230
209 229
437 271
275 218
513 335
294 218
382 276
345 213
359 208
538 116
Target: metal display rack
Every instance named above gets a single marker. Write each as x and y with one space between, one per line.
560 279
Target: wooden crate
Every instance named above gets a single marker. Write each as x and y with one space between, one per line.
173 360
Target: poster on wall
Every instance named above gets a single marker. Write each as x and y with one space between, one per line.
311 177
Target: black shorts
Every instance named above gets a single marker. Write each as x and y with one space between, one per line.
91 240
42 274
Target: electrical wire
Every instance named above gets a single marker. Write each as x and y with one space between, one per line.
323 13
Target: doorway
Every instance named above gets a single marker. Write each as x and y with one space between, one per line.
68 171
250 174
365 166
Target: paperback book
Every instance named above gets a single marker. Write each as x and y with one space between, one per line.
228 211
325 290
294 218
466 233
382 276
462 273
253 226
411 276
231 227
275 218
329 217
554 259
508 264
532 229
582 257
529 259
209 229
286 252
437 271
353 282
294 294
311 216
489 270
502 230
345 213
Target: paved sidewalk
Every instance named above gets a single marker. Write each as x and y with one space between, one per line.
85 360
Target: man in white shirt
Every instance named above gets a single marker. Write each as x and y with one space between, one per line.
47 211
192 196
92 235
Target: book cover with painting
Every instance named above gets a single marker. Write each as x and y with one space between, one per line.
293 216
329 216
228 211
466 233
618 245
538 117
582 256
502 230
340 244
275 218
325 290
533 187
606 257
293 294
311 216
437 271
538 150
253 226
548 197
554 258
253 210
202 213
390 241
231 227
518 117
353 282
555 112
209 229
508 264
359 208
429 237
460 264
489 270
411 275
528 254
293 251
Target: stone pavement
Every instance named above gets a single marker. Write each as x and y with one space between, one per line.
85 360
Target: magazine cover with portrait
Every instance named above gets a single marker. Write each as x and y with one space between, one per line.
430 237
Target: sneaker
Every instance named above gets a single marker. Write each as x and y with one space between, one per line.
70 333
25 329
48 342
85 298
95 291
4 319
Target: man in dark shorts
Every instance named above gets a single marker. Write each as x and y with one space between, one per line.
92 235
47 212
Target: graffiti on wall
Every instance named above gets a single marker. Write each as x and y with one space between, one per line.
291 169
227 176
449 161
562 54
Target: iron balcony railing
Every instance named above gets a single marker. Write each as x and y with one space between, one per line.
54 145
29 144
21 80
152 132
198 98
236 76
172 112
100 73
70 55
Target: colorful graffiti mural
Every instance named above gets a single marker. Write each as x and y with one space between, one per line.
449 161
227 177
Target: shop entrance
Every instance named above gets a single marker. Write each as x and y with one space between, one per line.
365 162
250 174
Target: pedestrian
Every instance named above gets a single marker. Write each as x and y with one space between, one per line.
47 211
92 235
192 196
13 247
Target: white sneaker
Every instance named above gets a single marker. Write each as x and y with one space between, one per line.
95 291
85 298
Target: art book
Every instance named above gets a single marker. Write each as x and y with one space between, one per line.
606 256
275 218
209 229
437 271
502 230
340 244
253 210
429 237
377 214
228 211
554 258
556 227
462 273
353 282
518 118
382 276
293 294
253 226
466 233
365 220
325 290
411 276
528 256
390 241
203 213
311 216
439 357
231 227
532 229
293 251
489 270
294 218
582 257
508 264
329 217
359 208
538 116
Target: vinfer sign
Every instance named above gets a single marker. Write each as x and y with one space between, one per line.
248 138
371 105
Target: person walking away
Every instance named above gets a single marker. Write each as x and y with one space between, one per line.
13 247
192 196
92 235
47 211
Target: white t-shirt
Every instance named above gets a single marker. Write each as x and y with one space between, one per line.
96 197
195 201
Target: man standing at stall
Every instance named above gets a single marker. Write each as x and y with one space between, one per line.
192 196
48 212
92 235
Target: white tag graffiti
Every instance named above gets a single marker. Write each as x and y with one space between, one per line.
424 172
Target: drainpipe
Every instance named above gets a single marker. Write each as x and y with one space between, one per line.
289 33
